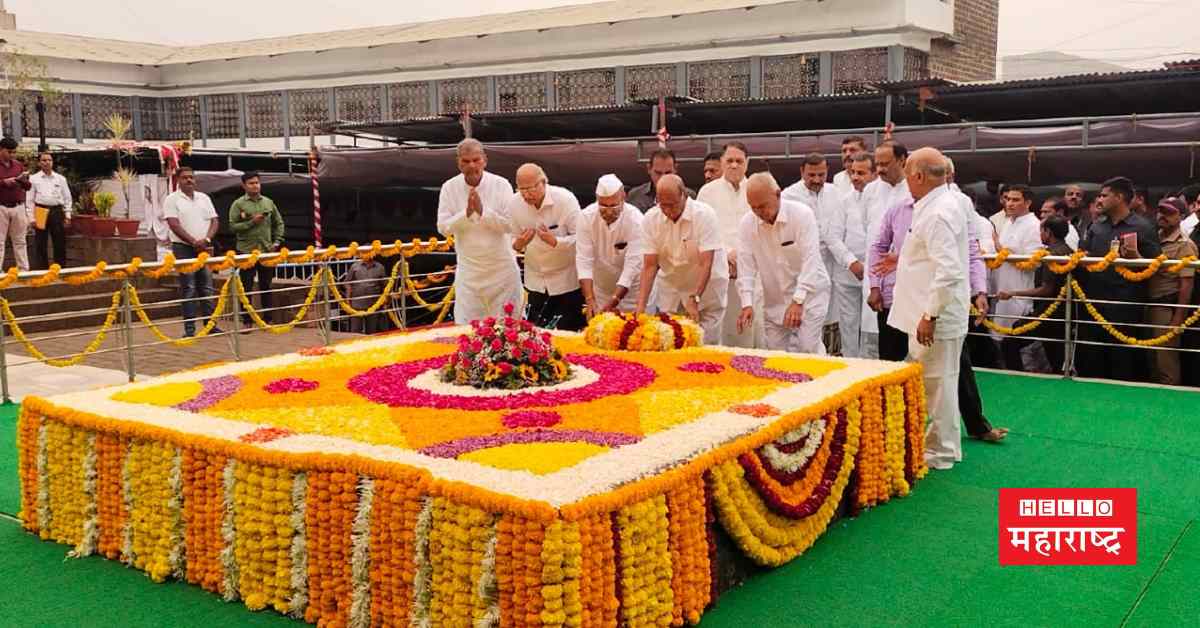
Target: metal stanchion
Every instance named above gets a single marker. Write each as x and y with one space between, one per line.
1069 338
3 366
128 325
234 290
403 292
325 330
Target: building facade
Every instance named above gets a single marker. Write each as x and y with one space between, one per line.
269 93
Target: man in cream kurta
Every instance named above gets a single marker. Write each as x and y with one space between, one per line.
727 196
471 209
544 222
680 236
844 266
931 298
779 243
610 231
1022 235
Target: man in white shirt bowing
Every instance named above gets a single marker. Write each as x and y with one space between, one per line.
610 233
1022 235
931 299
471 209
845 266
544 222
680 236
780 244
726 195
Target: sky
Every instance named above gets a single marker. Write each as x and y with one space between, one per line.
1131 33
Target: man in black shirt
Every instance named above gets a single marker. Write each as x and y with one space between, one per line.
1135 237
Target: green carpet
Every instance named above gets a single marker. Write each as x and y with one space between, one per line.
929 559
10 488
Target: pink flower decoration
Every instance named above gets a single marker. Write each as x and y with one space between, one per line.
701 367
508 308
505 368
265 435
496 344
531 418
212 391
290 385
456 448
511 335
756 366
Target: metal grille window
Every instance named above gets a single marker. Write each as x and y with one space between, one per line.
96 110
358 103
308 106
719 80
409 100
521 92
150 115
791 76
853 70
649 81
264 114
223 116
586 88
60 121
916 65
183 117
462 94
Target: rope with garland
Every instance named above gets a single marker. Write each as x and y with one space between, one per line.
1130 340
1029 326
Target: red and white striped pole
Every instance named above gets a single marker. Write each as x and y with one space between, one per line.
316 196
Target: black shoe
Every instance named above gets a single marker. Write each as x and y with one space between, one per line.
215 331
189 333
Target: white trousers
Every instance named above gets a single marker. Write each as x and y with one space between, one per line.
750 338
847 303
943 434
14 223
483 297
803 339
711 321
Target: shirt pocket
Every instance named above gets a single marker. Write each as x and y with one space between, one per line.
793 257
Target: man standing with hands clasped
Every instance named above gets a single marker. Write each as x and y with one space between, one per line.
931 299
193 221
259 227
545 219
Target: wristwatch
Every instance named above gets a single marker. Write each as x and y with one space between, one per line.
694 298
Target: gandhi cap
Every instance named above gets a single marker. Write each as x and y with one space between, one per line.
608 185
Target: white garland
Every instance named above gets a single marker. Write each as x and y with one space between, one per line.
43 482
790 463
360 556
175 509
431 381
228 537
422 585
127 499
299 546
91 527
487 589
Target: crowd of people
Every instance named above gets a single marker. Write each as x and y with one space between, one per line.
885 260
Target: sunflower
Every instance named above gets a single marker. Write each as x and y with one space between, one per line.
527 373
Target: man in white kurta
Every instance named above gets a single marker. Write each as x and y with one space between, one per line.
931 297
843 180
1022 235
864 201
681 238
544 223
471 209
779 243
888 189
845 268
727 196
610 231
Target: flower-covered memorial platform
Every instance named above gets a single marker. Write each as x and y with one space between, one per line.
355 485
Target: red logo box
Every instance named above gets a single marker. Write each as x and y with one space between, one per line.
1068 526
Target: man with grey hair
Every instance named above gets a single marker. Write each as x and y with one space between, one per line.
779 242
931 299
610 231
681 237
471 209
544 220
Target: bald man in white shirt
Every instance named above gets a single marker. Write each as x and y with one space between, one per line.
472 209
610 233
544 223
779 243
681 238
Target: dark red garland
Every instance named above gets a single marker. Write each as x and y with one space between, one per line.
631 326
675 327
810 506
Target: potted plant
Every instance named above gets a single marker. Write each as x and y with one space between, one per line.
118 127
103 225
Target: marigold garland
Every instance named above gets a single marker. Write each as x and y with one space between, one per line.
96 273
152 520
894 442
10 277
110 507
598 595
257 318
645 564
139 309
691 572
1034 260
1145 273
1030 325
29 425
262 518
393 542
870 463
110 319
330 511
65 448
203 513
1130 340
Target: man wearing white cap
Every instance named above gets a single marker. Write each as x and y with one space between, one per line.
472 210
545 220
610 231
681 237
779 242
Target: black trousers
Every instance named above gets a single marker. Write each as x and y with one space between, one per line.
1120 362
893 342
561 311
1011 347
265 275
56 233
1056 350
